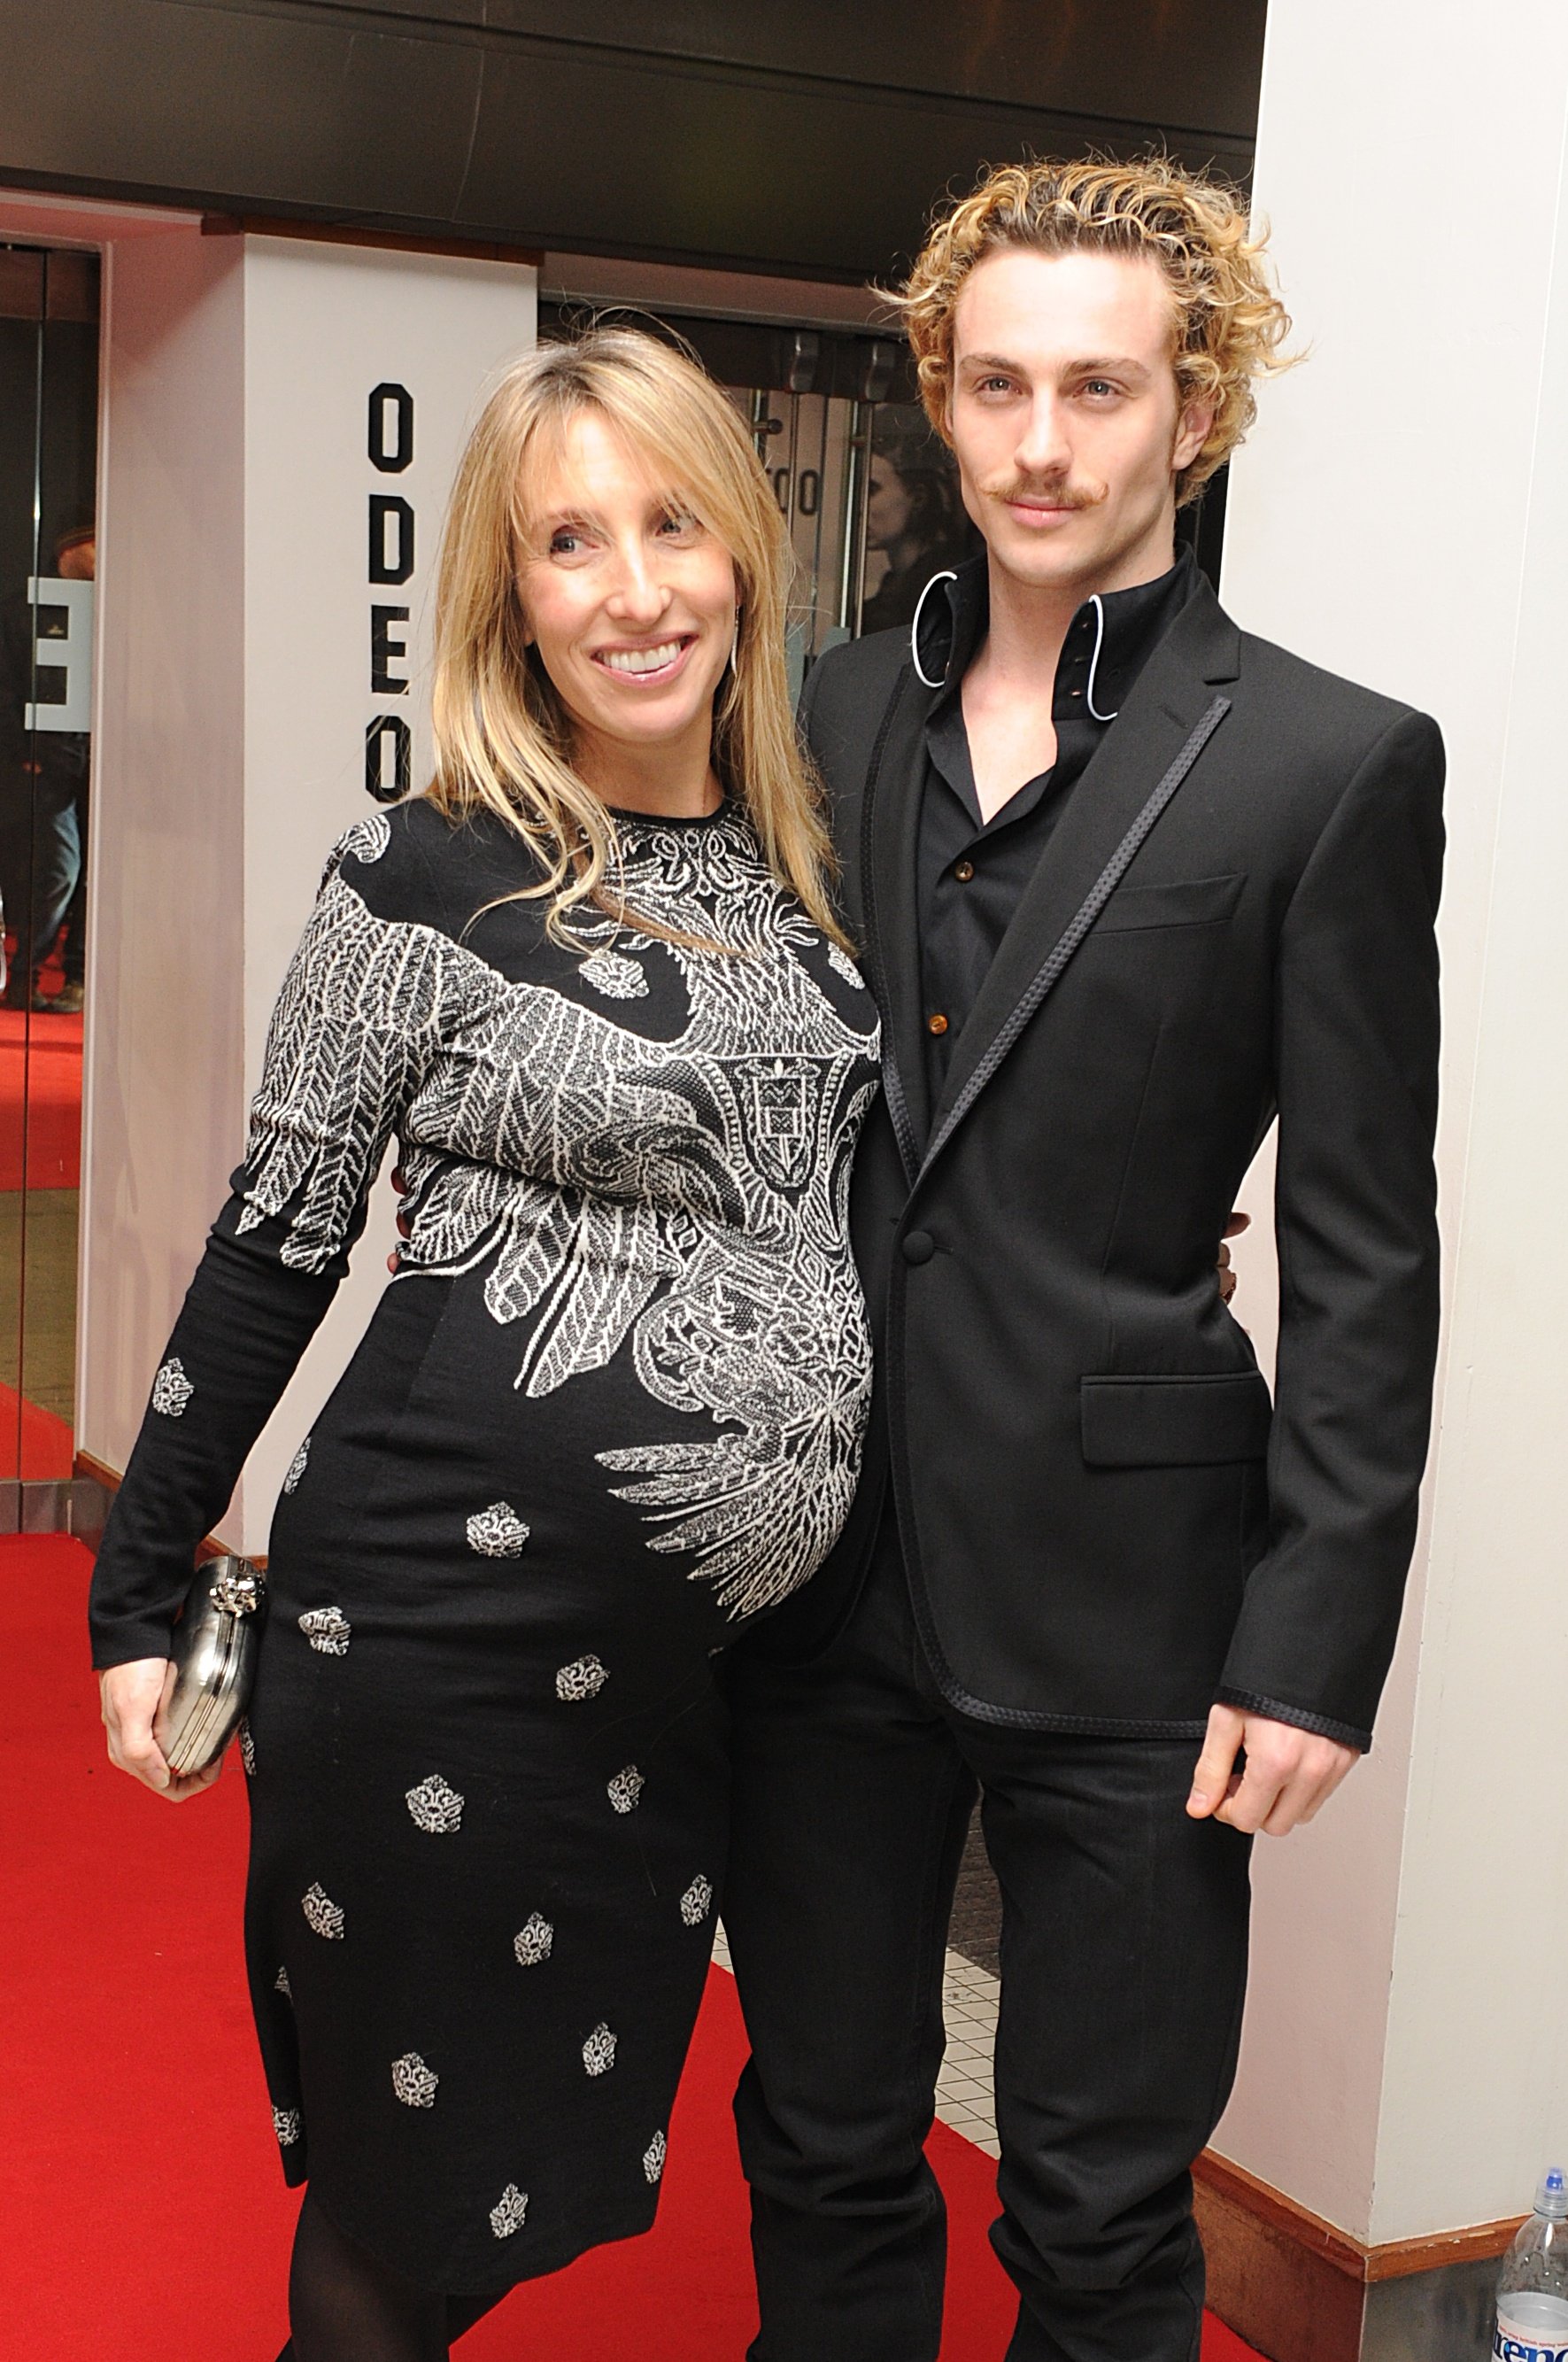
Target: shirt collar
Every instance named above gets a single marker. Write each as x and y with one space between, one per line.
1109 640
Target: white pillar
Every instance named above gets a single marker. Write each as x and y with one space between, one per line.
282 421
1402 515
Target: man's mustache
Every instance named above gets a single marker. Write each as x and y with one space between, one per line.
1055 496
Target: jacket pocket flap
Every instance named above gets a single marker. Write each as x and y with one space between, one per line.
1194 902
1181 1422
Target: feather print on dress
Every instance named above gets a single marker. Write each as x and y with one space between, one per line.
689 1196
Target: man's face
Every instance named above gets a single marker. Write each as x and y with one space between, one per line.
1065 417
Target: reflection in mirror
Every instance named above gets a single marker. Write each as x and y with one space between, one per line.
49 400
915 523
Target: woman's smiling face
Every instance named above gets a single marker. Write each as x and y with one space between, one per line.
630 601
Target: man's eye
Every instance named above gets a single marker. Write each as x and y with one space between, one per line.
1100 386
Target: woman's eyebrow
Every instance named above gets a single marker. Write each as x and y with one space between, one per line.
551 520
659 503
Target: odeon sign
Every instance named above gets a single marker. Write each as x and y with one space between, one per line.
389 442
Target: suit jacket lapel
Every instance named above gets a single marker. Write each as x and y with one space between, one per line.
890 825
1202 646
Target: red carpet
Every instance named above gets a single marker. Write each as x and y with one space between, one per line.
36 1444
143 2212
42 1054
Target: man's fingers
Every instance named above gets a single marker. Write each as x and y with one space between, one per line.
1260 1794
1227 1276
1302 1798
1290 1775
1214 1772
1250 1808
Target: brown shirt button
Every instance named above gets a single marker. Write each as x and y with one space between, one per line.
963 871
936 1024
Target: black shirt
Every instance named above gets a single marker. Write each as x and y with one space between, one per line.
970 873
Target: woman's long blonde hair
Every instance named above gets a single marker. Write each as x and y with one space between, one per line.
503 739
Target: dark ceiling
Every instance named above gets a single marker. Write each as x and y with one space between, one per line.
803 137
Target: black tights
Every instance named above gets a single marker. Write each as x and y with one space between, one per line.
346 2307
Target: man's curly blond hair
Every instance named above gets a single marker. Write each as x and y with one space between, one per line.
1229 322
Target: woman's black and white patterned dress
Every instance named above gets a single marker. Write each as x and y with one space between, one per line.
610 1408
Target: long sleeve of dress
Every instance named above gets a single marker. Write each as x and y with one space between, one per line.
354 1029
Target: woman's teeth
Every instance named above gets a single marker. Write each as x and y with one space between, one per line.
641 659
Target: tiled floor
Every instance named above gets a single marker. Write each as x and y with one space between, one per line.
964 2097
963 2088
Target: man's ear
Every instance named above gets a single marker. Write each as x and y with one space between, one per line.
1192 432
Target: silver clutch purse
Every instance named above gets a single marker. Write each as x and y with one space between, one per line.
214 1649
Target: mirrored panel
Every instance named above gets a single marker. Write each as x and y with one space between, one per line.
48 407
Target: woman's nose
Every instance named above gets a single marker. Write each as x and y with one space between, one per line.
638 595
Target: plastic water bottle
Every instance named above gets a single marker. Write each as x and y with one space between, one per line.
1532 2287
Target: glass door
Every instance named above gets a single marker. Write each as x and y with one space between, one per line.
49 408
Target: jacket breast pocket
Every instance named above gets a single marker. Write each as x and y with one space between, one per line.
1175 1422
1192 903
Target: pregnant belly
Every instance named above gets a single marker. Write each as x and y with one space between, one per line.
709 1462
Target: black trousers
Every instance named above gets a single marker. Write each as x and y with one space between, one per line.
1123 1964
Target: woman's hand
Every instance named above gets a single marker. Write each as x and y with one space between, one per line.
133 1696
404 1225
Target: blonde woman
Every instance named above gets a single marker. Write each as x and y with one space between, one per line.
609 1409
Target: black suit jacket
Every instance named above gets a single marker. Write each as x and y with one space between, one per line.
1104 1527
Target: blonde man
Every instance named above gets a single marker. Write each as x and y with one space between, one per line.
1129 883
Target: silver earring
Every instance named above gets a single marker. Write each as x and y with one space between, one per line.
735 644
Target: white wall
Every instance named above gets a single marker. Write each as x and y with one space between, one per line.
1401 515
234 689
326 325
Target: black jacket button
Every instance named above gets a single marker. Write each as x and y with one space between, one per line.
920 1246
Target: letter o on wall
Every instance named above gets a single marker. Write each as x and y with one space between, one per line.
390 432
387 764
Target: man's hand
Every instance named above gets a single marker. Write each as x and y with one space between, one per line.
133 1695
1290 1772
1233 1229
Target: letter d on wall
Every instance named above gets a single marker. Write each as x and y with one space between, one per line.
391 538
